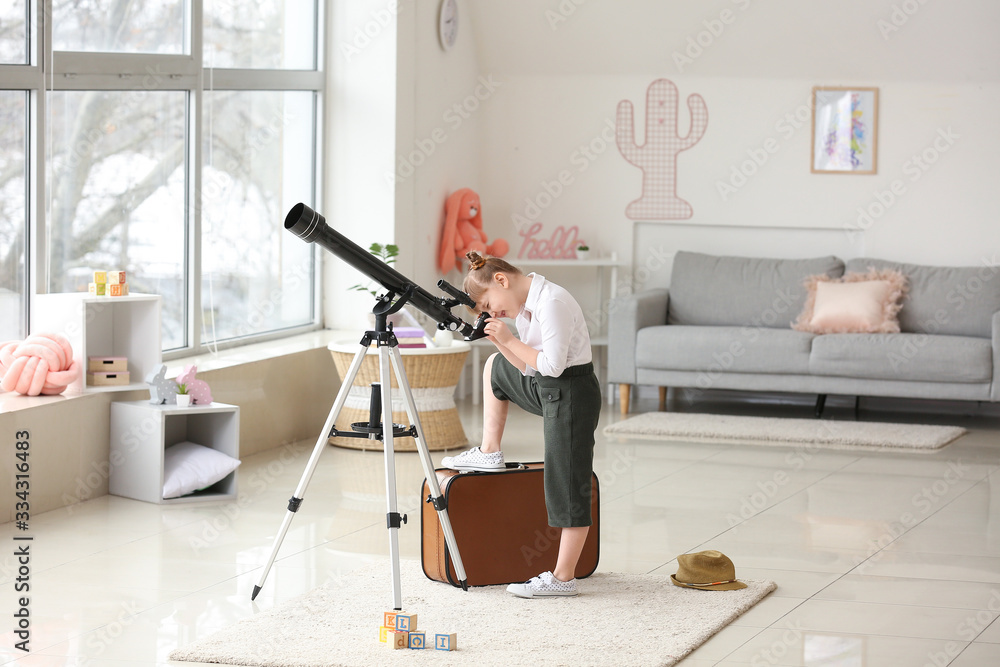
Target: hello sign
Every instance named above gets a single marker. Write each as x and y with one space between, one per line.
561 245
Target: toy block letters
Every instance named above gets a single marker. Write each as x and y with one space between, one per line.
97 289
116 277
399 630
100 277
406 622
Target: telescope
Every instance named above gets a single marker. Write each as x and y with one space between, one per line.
311 227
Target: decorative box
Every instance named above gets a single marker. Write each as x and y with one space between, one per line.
107 379
107 364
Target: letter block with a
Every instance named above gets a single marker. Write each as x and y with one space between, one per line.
446 642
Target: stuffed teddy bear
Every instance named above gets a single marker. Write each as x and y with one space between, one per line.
463 231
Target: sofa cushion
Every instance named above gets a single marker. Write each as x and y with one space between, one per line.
728 349
957 301
857 303
742 291
902 356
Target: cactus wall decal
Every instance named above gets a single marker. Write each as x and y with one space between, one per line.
657 157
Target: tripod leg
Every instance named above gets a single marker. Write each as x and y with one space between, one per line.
392 515
428 464
296 500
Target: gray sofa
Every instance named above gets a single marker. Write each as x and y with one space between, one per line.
725 323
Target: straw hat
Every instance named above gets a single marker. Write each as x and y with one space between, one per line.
706 571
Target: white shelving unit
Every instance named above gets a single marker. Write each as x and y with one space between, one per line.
104 326
598 335
141 431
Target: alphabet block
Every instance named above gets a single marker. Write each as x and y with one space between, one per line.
100 277
389 619
446 642
418 640
116 277
406 622
97 289
398 639
383 633
114 289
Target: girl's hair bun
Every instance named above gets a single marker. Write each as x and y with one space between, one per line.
476 260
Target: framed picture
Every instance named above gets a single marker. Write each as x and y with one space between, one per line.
845 130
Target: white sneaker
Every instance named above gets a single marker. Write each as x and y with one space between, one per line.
544 585
475 459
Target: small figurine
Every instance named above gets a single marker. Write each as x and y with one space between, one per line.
161 390
199 390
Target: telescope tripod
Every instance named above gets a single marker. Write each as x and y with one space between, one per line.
385 431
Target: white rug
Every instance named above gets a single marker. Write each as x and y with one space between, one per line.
618 619
693 427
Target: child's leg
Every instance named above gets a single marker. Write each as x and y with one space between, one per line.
570 547
494 411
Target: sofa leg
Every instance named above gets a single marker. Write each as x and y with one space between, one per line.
624 391
663 399
820 404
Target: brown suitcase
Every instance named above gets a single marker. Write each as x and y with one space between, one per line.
501 527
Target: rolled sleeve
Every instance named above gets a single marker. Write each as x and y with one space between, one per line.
557 327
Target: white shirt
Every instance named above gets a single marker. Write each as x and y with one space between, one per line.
552 322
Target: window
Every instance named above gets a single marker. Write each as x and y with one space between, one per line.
258 164
167 147
13 212
14 32
117 194
119 26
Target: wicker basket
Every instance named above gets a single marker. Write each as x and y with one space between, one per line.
442 427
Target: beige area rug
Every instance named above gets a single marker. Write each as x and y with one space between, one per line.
618 619
689 427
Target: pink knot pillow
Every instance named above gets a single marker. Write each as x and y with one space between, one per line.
40 364
857 303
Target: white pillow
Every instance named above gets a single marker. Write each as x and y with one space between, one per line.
188 467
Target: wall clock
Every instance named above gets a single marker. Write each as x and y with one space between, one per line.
448 23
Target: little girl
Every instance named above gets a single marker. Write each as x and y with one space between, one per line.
547 372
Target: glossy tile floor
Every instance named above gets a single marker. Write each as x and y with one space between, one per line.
880 559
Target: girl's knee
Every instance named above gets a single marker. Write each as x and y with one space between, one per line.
488 369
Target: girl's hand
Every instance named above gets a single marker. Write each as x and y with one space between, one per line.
497 331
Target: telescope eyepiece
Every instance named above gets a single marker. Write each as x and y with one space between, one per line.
460 296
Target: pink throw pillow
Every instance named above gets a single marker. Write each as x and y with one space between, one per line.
857 303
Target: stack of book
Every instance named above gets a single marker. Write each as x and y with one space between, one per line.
410 337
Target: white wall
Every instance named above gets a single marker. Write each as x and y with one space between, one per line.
566 65
558 68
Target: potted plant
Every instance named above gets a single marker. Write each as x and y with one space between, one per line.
183 397
387 253
582 250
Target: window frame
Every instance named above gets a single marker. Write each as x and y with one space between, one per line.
74 70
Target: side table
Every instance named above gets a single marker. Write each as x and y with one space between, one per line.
141 431
432 374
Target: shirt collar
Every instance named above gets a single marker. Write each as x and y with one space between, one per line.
534 292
